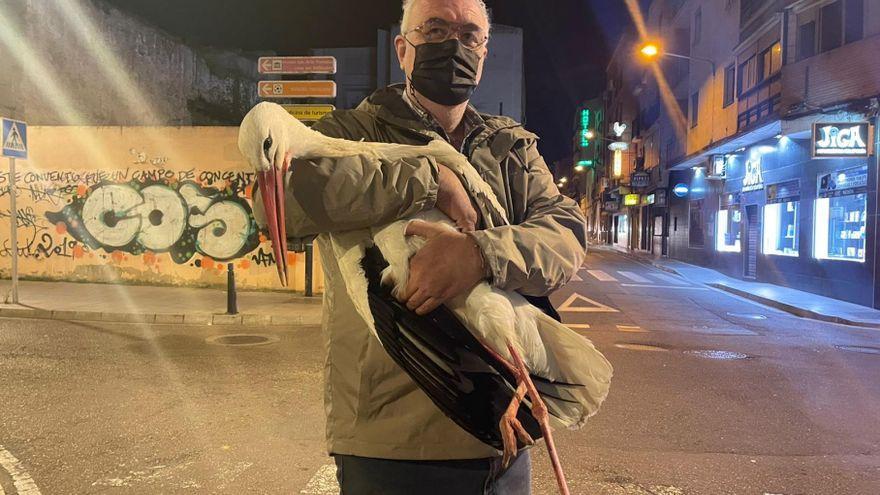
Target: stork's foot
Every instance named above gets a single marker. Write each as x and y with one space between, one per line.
511 428
539 411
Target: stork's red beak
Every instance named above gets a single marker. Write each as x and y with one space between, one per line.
271 185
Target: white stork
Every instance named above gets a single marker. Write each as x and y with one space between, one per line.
528 342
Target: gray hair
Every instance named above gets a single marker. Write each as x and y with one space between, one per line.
407 6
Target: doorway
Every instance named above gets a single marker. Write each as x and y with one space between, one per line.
753 235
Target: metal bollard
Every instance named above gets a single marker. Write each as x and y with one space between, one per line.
309 267
231 302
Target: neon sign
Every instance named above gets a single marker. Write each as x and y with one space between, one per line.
841 140
754 179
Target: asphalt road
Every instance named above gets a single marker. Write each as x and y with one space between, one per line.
138 409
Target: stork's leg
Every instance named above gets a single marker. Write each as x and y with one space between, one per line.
511 428
539 411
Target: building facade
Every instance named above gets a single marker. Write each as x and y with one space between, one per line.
774 177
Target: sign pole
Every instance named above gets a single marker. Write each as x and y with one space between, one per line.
13 234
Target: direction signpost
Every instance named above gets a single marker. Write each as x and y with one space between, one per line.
309 113
297 65
278 89
297 89
14 141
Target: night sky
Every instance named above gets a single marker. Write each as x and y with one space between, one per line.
567 42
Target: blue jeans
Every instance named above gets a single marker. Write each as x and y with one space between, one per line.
369 476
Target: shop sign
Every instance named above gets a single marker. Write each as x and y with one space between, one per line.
650 199
681 190
631 200
611 206
784 192
719 163
844 182
850 139
754 179
640 179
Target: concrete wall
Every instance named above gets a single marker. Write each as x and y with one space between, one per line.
84 62
152 205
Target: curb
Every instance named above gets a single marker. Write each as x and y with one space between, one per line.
645 261
248 320
791 309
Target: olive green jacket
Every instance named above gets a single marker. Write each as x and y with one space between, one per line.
373 408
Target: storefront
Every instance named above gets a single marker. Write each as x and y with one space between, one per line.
796 211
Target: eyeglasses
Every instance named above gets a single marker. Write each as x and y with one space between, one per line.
437 30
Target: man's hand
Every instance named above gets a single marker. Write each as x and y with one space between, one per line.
453 200
447 265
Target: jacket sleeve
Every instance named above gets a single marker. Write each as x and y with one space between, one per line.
544 251
339 194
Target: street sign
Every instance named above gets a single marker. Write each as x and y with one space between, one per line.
297 89
297 65
308 113
14 139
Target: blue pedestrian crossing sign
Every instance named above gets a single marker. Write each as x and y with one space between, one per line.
14 139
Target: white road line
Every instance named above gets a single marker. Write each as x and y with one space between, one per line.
602 276
323 482
635 277
576 278
668 278
664 286
591 307
573 326
23 482
631 329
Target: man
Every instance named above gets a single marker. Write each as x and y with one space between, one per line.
386 435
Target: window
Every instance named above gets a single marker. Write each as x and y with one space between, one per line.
698 25
832 26
840 227
747 75
769 62
695 108
807 40
781 228
854 27
695 219
841 214
729 231
729 85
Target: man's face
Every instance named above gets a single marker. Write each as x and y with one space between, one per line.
452 11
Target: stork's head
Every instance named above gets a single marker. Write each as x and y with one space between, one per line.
264 139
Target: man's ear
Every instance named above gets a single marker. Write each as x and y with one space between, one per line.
400 47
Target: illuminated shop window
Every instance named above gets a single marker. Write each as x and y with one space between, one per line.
840 227
729 231
841 214
781 228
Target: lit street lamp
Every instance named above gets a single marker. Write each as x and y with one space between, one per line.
650 50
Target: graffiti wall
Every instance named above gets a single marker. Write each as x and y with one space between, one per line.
153 205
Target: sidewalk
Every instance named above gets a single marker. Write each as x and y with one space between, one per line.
163 305
796 302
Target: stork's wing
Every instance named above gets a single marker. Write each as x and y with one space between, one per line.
445 360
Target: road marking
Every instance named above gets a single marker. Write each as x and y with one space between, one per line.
668 278
602 276
323 482
593 306
22 481
664 286
573 326
635 277
631 329
576 278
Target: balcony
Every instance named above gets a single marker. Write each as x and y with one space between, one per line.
844 74
761 103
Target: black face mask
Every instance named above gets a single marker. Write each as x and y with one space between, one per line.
446 73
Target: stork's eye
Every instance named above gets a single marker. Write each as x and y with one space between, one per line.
267 144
